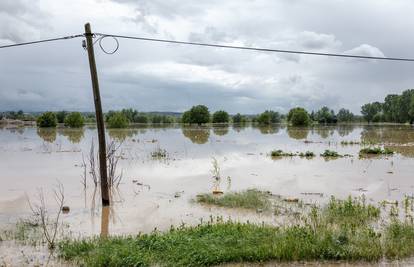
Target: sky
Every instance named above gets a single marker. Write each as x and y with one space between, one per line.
167 77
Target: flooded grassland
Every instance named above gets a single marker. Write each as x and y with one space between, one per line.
162 171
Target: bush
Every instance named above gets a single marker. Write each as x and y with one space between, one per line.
117 120
47 119
61 115
268 117
74 120
298 117
221 117
197 114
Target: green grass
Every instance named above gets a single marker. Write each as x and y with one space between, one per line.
375 151
249 199
342 230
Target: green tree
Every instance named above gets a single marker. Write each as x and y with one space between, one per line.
47 119
141 118
238 118
325 115
269 117
130 114
197 115
369 110
74 120
221 116
118 120
298 117
344 115
60 116
391 108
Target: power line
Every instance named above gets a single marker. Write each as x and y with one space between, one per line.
255 48
43 41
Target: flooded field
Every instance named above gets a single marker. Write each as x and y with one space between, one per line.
164 169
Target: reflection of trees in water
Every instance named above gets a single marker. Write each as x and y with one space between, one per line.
121 134
221 130
298 132
47 134
268 129
239 127
345 129
323 131
398 134
197 135
74 135
406 151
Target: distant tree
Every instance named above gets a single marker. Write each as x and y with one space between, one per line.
238 118
325 115
369 110
74 120
269 117
344 115
117 120
130 114
298 117
60 116
197 115
391 108
221 116
47 119
141 119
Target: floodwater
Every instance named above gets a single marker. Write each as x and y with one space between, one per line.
156 192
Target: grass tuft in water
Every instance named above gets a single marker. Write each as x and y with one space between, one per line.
281 153
375 151
331 154
249 199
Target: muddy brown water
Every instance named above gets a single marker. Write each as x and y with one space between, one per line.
157 192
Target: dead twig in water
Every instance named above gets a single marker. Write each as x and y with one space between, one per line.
50 229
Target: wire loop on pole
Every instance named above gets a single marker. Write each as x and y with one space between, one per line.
99 41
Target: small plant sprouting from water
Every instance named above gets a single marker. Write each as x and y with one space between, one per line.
159 153
215 172
280 153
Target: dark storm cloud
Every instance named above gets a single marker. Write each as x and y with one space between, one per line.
151 76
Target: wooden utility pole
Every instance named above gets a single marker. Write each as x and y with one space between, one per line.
99 117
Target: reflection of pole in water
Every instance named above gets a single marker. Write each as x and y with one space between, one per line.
105 221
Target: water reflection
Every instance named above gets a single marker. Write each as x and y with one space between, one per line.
324 132
74 135
105 221
197 135
221 130
398 134
239 127
47 134
345 129
298 133
268 129
121 134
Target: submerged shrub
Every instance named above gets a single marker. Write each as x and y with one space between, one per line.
330 154
375 151
47 119
280 153
74 120
117 120
307 154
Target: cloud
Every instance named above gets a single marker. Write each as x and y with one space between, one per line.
365 50
158 76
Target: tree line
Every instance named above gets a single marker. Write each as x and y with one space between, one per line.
395 108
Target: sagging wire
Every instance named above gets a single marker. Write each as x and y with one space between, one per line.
99 41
